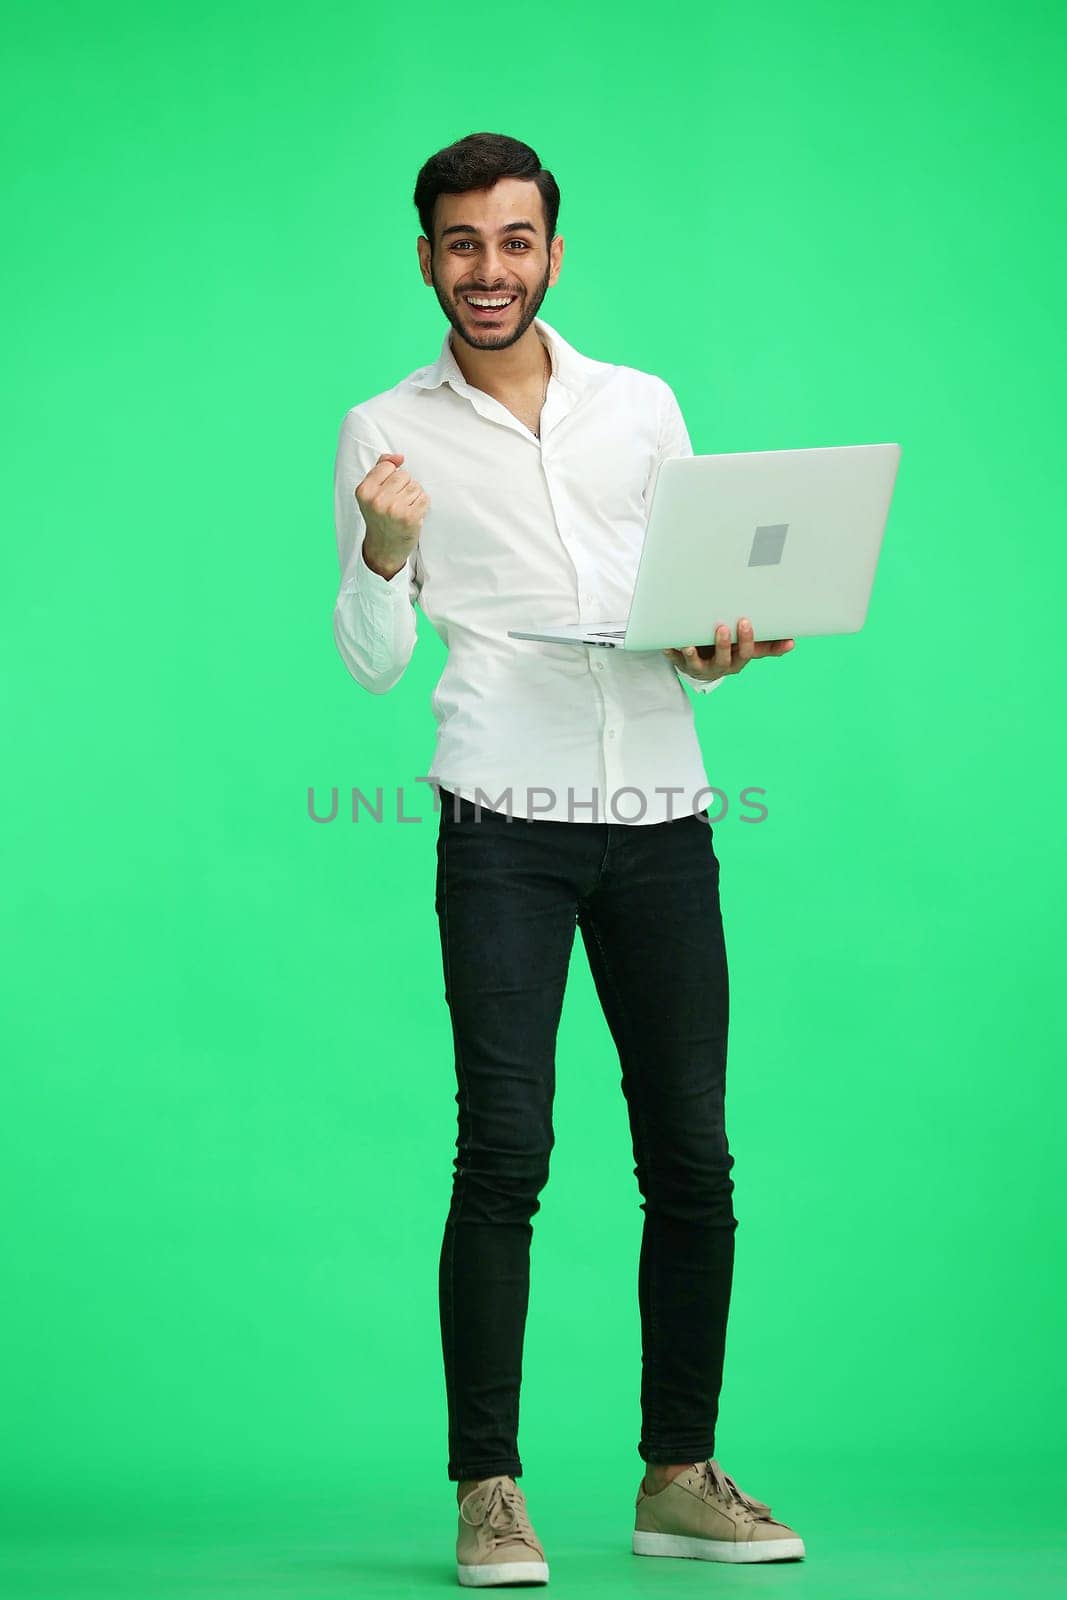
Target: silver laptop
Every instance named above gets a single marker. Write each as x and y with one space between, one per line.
788 538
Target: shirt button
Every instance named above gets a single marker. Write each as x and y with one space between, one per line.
598 666
611 733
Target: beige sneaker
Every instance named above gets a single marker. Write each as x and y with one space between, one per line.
496 1543
703 1514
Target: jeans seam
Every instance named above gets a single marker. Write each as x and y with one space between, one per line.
654 1326
510 1462
464 1085
453 1215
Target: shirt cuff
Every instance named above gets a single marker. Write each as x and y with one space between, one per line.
364 580
698 684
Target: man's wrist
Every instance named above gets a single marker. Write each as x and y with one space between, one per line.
380 564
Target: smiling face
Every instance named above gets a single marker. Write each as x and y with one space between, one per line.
489 244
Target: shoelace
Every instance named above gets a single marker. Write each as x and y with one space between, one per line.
719 1483
505 1516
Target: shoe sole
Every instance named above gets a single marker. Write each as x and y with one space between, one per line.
482 1577
676 1544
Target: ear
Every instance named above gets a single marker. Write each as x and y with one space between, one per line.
555 257
423 247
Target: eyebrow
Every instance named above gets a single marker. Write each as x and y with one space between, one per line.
509 227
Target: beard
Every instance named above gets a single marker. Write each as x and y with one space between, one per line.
490 338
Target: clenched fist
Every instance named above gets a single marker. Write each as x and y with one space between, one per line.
393 506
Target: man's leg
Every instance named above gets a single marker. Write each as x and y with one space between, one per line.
653 932
506 903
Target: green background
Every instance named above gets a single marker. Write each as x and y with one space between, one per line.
228 1116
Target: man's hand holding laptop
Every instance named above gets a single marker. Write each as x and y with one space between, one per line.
710 661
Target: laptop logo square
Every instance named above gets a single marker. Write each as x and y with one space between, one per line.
767 545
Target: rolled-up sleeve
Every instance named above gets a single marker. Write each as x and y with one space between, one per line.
374 622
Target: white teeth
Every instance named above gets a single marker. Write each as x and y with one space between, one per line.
488 304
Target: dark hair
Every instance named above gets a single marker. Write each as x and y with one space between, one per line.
477 162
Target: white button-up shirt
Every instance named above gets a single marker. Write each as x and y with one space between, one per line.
526 532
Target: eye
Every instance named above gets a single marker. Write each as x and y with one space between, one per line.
459 243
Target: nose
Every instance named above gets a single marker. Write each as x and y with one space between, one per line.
494 266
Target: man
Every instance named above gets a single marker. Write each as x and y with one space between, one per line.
506 486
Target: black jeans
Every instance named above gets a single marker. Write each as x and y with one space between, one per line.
510 892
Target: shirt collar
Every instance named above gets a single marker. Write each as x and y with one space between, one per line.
570 368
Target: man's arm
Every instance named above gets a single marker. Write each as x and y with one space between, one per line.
373 616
